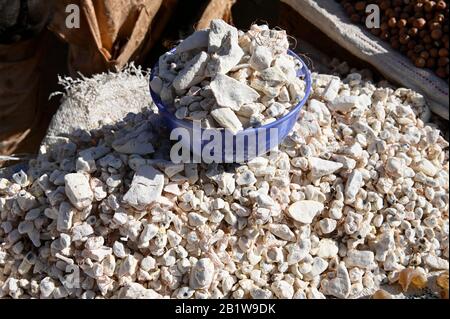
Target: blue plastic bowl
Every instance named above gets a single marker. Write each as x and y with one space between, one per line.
267 136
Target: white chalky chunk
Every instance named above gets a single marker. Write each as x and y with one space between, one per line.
78 190
157 84
320 167
46 286
435 262
120 218
146 187
137 291
148 233
148 263
198 39
332 90
360 258
227 119
246 178
340 286
327 248
202 274
282 231
257 163
248 110
219 29
298 252
327 225
230 93
354 183
119 250
282 289
276 109
395 167
261 58
347 103
319 265
426 167
196 220
135 144
193 73
304 211
227 57
270 81
65 216
287 66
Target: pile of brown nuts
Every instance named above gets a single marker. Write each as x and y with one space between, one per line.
417 28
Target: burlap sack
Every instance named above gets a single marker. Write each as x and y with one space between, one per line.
22 19
331 19
20 100
111 33
216 9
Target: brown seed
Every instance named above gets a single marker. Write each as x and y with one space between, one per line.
360 5
442 73
434 25
427 39
418 7
439 18
385 35
429 6
402 23
423 33
413 32
392 22
424 54
404 15
443 52
412 45
436 34
431 63
443 61
390 13
395 44
404 39
375 32
385 4
441 5
434 53
420 63
420 23
355 18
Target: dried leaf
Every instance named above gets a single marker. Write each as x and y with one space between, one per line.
410 276
381 294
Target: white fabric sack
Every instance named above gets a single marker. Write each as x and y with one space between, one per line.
330 18
106 98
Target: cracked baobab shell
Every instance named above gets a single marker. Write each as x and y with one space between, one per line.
410 276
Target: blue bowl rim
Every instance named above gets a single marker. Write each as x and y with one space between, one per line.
304 73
